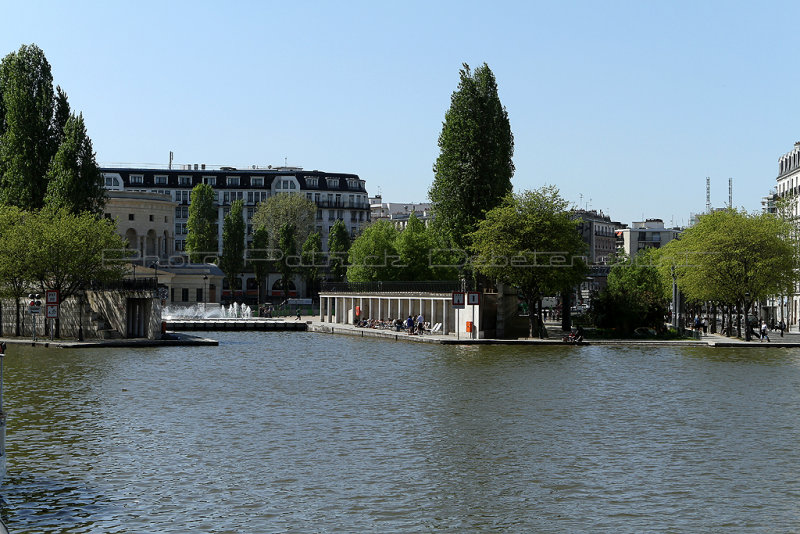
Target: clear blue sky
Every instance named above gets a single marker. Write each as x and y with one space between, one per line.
625 106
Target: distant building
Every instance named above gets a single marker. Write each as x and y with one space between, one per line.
338 196
650 233
398 213
598 231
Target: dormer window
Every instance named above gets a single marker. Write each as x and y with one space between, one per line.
137 179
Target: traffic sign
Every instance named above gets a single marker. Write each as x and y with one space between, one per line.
52 311
52 296
458 299
34 309
473 298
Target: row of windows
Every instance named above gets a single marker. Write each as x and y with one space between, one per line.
235 181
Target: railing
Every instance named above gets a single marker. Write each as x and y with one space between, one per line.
126 284
436 286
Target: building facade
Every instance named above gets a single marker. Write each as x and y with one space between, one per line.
650 233
787 189
398 213
338 196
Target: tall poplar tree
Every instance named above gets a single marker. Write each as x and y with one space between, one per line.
473 172
338 245
233 230
74 180
201 241
27 137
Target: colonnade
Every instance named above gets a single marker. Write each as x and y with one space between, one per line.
341 309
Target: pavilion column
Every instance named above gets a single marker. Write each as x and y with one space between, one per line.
445 324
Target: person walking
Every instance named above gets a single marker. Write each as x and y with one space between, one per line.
781 327
764 332
420 324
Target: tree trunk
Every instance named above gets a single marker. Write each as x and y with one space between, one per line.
17 327
713 318
566 315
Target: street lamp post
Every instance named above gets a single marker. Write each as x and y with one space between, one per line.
205 294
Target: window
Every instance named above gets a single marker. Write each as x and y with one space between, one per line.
151 218
257 181
160 179
285 184
319 214
333 183
130 216
198 295
250 212
185 294
331 215
233 181
311 181
137 179
184 180
292 185
210 180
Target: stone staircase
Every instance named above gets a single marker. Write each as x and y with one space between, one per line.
95 325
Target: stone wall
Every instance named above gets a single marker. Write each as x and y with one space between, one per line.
104 315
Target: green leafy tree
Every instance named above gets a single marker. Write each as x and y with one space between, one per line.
473 172
279 210
531 242
201 241
15 259
373 256
27 137
258 258
338 246
288 247
413 246
72 250
61 115
733 257
74 179
233 233
636 296
312 260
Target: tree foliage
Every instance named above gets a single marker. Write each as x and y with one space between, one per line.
27 136
312 261
288 247
201 241
530 242
233 234
258 259
74 180
285 208
473 171
636 295
373 256
338 246
733 257
383 253
15 273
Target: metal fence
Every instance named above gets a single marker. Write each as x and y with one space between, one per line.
126 284
437 286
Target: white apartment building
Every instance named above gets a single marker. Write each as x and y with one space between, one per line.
338 196
650 233
787 187
398 212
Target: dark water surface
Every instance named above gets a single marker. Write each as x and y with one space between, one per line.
300 432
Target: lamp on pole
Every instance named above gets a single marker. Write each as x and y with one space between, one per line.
205 294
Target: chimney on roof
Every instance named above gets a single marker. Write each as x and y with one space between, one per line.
195 166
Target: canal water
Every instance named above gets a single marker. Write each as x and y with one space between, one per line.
301 432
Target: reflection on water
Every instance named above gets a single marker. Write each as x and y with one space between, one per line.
296 431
